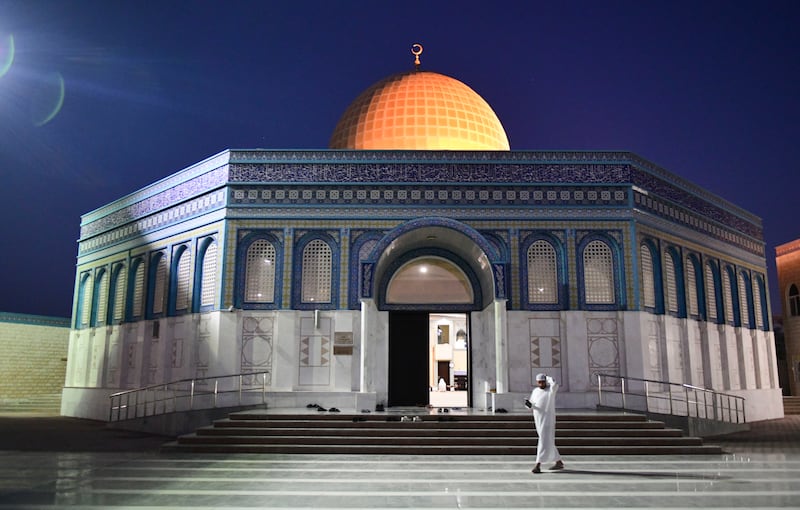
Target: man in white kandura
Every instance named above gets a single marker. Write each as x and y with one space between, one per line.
543 404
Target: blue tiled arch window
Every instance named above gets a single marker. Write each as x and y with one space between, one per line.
543 270
315 281
205 275
259 271
600 273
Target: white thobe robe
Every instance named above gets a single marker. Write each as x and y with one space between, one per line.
544 416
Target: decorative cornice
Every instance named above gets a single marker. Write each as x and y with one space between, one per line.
787 248
35 320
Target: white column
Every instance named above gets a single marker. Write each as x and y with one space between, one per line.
364 336
501 344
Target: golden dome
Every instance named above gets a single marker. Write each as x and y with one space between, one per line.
419 110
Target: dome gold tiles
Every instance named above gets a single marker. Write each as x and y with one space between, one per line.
419 110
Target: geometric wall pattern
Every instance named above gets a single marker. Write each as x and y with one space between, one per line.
602 336
315 351
257 345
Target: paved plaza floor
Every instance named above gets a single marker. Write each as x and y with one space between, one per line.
53 462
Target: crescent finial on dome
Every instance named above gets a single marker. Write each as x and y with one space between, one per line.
416 50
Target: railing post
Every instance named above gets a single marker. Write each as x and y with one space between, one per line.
191 396
264 388
623 393
696 404
647 395
216 387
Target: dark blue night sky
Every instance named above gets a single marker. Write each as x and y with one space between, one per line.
708 90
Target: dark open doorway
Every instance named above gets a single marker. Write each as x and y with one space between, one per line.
408 358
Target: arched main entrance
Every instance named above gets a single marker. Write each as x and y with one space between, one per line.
426 273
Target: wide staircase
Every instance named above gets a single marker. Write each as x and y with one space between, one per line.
48 404
435 434
791 405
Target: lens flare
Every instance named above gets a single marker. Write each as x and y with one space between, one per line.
47 99
6 53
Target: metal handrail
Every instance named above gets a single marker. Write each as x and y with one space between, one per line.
692 401
163 398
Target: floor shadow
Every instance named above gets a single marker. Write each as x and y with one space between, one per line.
647 474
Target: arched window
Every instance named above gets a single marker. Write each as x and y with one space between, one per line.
317 264
158 283
116 311
100 299
598 273
259 279
648 277
759 302
711 293
728 294
208 274
136 289
84 300
747 318
672 290
794 301
181 274
542 273
692 290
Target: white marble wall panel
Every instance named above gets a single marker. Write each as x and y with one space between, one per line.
114 361
257 332
747 362
97 364
603 345
655 347
716 361
547 350
730 352
674 336
694 340
285 351
636 327
315 351
519 355
132 355
578 376
483 373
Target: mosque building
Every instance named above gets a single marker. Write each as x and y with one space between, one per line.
417 252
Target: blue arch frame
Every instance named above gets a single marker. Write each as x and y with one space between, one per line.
178 253
241 271
617 270
297 272
751 314
733 282
197 280
131 290
82 279
718 290
658 275
562 275
477 293
354 282
155 259
113 284
762 293
94 318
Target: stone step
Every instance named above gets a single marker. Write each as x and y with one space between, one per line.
433 441
390 449
418 430
576 434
